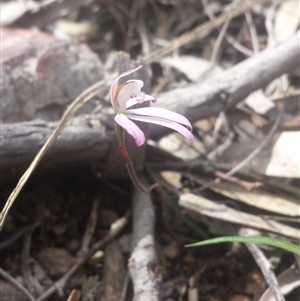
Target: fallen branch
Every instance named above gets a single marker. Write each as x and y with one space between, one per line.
79 144
216 94
143 266
113 272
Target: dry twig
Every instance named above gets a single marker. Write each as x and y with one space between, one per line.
5 244
115 228
20 287
143 267
90 226
229 38
288 281
265 268
251 156
31 282
199 30
253 32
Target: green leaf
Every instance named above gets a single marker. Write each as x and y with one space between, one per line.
263 240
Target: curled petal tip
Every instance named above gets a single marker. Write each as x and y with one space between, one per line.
191 142
150 98
190 137
139 142
131 128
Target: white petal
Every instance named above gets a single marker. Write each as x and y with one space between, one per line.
137 81
131 102
161 113
167 123
128 90
114 85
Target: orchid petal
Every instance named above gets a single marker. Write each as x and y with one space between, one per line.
136 81
150 98
136 100
128 90
114 85
161 113
131 128
131 102
165 122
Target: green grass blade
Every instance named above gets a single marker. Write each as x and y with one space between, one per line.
263 240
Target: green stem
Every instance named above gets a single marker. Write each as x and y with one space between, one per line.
129 165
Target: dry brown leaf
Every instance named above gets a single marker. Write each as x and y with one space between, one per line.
11 11
173 178
259 102
285 157
281 158
66 28
257 198
194 68
222 212
287 19
177 145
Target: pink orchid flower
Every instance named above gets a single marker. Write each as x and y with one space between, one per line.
128 94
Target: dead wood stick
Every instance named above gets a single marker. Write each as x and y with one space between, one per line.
18 285
90 226
6 243
78 144
265 267
113 272
288 281
205 99
143 266
266 270
30 280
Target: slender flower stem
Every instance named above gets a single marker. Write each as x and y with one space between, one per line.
130 167
131 171
156 186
